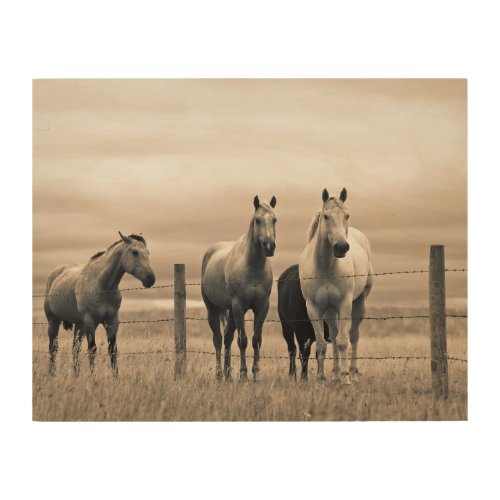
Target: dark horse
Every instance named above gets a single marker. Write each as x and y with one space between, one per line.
294 319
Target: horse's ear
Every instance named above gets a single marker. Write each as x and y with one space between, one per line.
325 196
273 201
256 202
343 195
126 239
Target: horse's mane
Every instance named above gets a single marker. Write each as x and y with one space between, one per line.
136 237
313 226
267 208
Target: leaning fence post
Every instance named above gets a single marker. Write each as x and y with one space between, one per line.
437 314
180 319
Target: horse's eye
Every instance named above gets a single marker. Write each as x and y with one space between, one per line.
325 216
347 216
257 221
135 253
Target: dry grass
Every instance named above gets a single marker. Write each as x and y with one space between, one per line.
146 391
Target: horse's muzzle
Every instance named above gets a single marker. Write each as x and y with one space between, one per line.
149 281
269 248
340 249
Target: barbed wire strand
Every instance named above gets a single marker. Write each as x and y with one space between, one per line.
385 273
171 285
376 318
100 292
190 351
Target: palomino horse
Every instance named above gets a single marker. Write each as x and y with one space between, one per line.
336 277
236 277
86 296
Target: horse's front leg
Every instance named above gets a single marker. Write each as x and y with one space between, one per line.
111 327
344 326
358 313
77 343
89 326
260 314
314 314
333 329
239 319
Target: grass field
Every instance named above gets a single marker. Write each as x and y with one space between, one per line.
146 391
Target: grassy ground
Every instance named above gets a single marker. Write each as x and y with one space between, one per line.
146 391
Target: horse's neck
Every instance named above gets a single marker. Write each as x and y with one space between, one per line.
254 252
111 270
324 258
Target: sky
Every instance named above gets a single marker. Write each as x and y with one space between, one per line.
180 161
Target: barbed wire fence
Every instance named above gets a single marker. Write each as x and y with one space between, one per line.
438 359
171 285
209 353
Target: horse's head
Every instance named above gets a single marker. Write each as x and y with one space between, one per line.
135 260
264 225
333 222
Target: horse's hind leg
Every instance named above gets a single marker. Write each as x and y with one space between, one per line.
77 343
228 340
260 314
214 322
53 332
358 313
305 352
288 335
89 327
239 319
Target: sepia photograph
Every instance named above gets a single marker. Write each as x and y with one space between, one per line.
249 249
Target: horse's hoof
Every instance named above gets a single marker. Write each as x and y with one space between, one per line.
345 379
354 377
243 376
321 378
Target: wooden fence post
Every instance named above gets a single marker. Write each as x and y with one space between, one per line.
437 314
180 319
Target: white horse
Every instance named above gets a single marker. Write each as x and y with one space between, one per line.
333 254
86 296
236 277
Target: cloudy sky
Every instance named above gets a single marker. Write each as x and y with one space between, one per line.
181 160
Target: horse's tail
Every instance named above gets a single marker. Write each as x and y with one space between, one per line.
67 325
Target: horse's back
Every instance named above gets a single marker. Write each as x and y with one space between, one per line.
213 286
360 251
360 239
291 303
